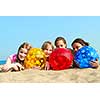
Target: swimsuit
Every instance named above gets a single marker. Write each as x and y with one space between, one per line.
13 58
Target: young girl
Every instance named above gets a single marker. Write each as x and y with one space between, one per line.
47 47
60 42
79 43
15 62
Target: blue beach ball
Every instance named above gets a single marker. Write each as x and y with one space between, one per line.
85 55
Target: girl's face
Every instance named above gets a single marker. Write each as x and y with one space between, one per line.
22 54
60 44
76 46
48 50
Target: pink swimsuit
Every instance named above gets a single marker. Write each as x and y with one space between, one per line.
13 58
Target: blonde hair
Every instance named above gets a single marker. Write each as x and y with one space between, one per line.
45 44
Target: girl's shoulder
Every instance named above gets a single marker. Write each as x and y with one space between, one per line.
13 58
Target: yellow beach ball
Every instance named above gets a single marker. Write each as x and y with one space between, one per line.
35 57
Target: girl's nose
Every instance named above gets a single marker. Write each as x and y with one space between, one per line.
76 50
23 54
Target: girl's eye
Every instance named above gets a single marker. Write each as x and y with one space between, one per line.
21 52
61 45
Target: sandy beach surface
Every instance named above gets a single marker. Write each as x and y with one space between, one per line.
88 75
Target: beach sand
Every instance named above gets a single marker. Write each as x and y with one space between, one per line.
88 75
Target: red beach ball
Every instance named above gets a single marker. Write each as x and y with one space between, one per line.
61 58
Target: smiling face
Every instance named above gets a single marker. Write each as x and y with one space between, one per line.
22 54
48 50
60 44
76 46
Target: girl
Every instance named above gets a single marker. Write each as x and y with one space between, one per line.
47 47
79 43
60 42
16 61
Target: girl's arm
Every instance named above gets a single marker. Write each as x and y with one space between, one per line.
8 62
47 66
17 67
6 67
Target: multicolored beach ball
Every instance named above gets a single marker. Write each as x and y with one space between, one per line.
35 57
85 55
61 59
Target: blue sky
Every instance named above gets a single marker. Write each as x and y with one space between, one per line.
15 30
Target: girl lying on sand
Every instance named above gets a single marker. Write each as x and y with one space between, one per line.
15 62
79 43
47 47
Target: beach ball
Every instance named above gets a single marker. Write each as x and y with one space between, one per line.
61 58
35 57
85 55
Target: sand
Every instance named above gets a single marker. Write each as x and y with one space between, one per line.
88 75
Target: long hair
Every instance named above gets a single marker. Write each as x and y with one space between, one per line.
26 46
45 44
81 41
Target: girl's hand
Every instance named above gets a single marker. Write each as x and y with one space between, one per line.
95 64
47 66
6 67
12 67
18 67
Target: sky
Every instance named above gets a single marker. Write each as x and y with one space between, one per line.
15 30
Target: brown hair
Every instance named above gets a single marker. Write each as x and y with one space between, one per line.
26 46
45 44
81 41
60 38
